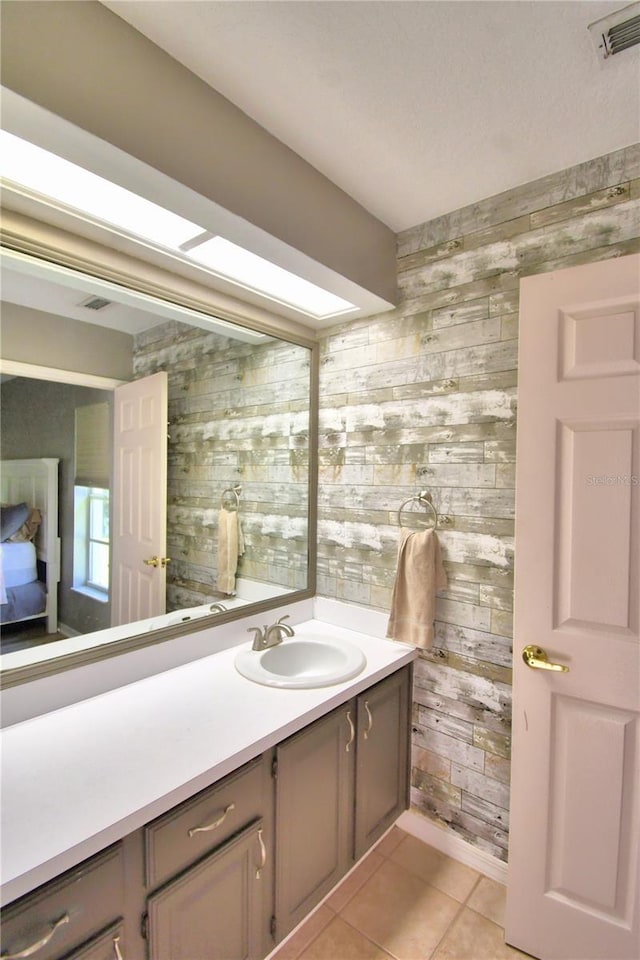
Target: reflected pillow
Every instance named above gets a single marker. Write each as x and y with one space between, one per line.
28 529
12 516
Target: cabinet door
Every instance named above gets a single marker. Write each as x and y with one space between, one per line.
213 911
314 804
382 758
109 945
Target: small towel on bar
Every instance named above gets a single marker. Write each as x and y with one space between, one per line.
230 547
420 574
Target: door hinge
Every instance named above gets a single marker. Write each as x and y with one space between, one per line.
144 926
274 768
272 926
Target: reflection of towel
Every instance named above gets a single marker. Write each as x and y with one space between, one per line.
230 547
419 575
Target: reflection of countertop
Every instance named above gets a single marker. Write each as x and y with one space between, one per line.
86 775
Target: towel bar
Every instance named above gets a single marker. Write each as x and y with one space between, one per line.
424 499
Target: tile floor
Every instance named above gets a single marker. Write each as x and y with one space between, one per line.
406 901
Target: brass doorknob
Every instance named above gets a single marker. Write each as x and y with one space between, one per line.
153 562
537 659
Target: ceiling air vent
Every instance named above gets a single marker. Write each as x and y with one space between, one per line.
617 32
96 303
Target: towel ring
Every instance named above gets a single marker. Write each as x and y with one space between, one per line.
235 493
424 499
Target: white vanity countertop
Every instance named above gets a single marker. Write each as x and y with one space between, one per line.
86 775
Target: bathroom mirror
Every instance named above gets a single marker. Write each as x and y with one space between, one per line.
241 438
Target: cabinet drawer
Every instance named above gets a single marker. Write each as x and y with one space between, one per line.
68 911
187 832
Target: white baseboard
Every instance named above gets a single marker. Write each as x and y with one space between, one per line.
453 846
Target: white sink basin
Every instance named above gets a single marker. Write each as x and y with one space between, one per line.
302 662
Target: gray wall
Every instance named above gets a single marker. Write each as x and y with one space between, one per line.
38 420
238 413
48 340
425 397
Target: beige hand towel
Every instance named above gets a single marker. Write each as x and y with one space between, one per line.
419 575
230 547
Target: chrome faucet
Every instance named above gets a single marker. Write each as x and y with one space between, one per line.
270 636
217 608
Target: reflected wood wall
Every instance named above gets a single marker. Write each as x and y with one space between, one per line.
238 414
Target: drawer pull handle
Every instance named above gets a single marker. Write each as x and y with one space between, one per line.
352 731
263 855
117 952
214 824
370 719
29 951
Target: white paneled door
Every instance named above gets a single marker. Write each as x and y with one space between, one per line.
139 513
573 888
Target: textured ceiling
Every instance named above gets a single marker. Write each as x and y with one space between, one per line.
413 108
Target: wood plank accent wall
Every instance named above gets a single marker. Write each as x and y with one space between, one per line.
425 397
238 414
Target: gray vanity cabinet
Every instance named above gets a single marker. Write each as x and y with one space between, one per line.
234 868
341 782
214 910
209 871
64 917
314 824
382 758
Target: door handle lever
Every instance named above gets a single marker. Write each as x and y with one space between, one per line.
157 561
537 659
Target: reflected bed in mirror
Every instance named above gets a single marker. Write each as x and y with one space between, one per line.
224 487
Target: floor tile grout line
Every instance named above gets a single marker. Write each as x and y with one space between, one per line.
473 889
388 857
461 908
369 939
454 919
355 892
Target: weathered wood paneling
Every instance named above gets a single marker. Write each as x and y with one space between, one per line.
238 413
425 396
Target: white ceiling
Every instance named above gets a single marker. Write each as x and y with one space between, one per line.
413 108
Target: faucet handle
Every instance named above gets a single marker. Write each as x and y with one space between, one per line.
258 633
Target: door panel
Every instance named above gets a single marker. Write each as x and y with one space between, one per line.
382 758
139 499
611 735
314 811
574 845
